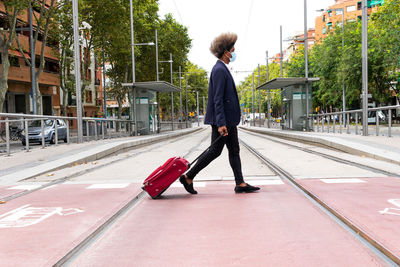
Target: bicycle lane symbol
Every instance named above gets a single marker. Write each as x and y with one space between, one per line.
26 215
392 211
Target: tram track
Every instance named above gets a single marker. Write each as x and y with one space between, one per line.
379 249
97 167
327 156
102 229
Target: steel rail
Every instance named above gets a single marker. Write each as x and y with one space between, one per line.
327 156
379 249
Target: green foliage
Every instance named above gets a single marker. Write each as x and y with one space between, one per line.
245 89
336 64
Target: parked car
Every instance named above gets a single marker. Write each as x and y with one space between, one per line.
372 116
35 132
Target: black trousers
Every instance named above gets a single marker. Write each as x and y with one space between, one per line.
232 143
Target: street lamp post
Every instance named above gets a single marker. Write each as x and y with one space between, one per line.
268 95
77 70
133 69
197 109
186 104
365 66
254 116
180 93
281 59
259 96
306 67
172 93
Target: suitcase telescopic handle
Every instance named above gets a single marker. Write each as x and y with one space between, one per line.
208 148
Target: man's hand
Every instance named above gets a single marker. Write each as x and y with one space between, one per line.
223 131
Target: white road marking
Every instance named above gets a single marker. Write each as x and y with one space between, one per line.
26 216
51 186
107 186
266 182
26 187
342 181
196 184
392 211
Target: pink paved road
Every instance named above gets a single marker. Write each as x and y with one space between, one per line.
275 227
72 212
362 204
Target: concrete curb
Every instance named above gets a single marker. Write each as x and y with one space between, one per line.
333 142
90 155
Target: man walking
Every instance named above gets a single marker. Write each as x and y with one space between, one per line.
223 114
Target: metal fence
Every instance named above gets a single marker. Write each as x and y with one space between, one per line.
15 127
167 125
351 121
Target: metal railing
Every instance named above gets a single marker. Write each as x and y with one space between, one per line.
327 122
94 129
167 125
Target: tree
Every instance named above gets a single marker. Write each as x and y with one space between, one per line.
44 22
14 8
245 89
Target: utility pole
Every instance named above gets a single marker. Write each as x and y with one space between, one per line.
254 115
306 67
77 70
133 68
259 96
204 106
268 95
186 111
198 115
33 59
157 93
172 93
365 66
281 59
104 84
180 94
344 85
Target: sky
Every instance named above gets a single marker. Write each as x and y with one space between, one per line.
256 22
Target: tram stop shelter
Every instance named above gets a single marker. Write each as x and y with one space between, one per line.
145 107
293 100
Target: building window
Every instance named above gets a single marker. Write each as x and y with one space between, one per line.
88 98
324 30
339 12
351 20
350 8
359 6
329 13
14 61
323 18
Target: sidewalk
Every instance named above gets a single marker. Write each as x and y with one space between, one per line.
377 147
24 165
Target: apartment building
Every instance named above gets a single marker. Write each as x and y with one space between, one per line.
298 40
333 16
18 98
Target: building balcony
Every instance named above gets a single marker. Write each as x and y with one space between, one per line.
23 74
48 51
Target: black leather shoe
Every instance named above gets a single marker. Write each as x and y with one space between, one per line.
246 189
188 187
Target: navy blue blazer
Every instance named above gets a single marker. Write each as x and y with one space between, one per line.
223 107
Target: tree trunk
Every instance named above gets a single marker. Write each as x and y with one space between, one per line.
5 67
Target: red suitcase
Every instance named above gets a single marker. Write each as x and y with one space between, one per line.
164 176
159 180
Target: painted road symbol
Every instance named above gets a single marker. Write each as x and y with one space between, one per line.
392 211
26 216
